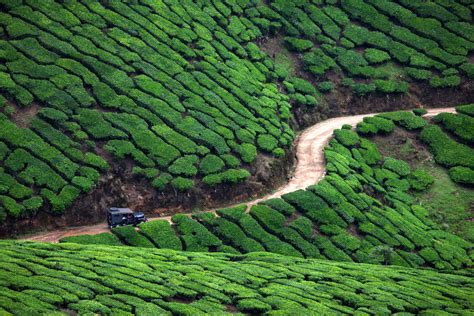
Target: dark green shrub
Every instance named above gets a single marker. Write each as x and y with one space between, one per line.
99 239
252 305
161 182
297 44
130 236
231 161
390 86
303 226
467 109
420 180
211 164
195 236
419 111
326 86
85 184
303 86
369 152
462 175
418 74
375 124
346 242
400 167
33 204
445 82
161 234
232 213
235 175
247 152
182 184
267 142
279 205
59 202
346 137
460 124
405 119
184 166
232 234
446 151
375 56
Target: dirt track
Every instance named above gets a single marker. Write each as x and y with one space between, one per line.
309 170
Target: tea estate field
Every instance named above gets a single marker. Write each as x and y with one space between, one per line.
188 95
364 209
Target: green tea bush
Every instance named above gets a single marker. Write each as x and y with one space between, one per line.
461 125
184 166
418 74
420 180
467 109
419 111
211 164
405 119
99 239
400 167
161 234
375 56
182 184
247 152
374 125
65 198
297 44
194 236
267 142
326 86
130 236
346 137
462 175
446 151
279 205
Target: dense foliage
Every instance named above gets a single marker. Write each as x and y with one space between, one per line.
387 44
183 90
177 88
362 211
447 150
67 279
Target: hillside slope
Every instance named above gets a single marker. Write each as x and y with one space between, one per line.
69 278
155 104
363 210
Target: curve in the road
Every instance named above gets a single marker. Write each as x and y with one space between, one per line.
309 170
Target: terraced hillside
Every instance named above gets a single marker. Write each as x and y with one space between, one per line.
177 102
69 278
364 210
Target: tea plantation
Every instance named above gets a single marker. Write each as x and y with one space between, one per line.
182 90
362 211
196 102
65 279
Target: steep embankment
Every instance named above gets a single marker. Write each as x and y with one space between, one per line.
310 168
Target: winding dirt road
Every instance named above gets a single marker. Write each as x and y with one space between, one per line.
309 170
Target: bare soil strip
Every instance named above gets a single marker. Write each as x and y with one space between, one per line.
309 170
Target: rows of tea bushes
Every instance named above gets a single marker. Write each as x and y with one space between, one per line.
362 211
451 142
179 89
183 91
379 45
65 279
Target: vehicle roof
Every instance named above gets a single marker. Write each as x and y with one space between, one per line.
120 210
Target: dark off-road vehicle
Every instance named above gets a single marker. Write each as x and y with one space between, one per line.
117 216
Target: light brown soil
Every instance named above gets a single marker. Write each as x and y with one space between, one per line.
309 170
